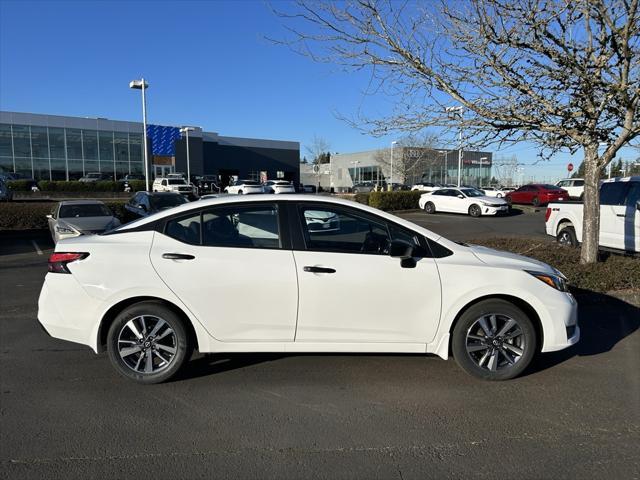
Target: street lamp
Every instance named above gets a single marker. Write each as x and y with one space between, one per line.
480 173
186 131
143 85
458 110
390 187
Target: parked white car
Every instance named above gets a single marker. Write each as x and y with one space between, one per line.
619 217
573 186
278 186
495 191
244 187
462 200
201 274
426 186
173 184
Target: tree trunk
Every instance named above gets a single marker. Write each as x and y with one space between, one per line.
591 209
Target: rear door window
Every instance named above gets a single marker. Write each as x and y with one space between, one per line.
241 226
613 193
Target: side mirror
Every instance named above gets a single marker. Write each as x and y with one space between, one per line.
142 207
460 196
400 249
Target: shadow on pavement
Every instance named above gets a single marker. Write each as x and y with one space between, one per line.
604 321
24 241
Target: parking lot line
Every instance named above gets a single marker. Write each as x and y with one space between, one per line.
35 245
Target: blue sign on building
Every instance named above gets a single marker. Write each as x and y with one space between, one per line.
163 139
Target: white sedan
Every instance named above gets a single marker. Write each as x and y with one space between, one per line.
462 200
244 187
278 186
496 192
199 276
426 187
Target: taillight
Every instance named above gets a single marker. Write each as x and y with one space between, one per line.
547 214
58 261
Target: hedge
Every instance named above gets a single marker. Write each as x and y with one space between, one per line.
402 200
33 215
76 186
20 185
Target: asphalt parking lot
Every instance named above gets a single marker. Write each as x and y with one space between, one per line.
64 412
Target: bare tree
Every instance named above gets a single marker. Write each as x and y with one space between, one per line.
564 74
318 149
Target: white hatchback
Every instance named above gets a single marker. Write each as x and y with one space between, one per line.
199 276
462 200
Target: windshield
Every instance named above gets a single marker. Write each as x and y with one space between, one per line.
84 210
472 192
163 202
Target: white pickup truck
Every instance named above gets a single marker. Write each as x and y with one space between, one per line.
619 217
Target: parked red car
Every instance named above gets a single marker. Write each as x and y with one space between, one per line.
537 194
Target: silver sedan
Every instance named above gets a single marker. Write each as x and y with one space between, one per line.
72 218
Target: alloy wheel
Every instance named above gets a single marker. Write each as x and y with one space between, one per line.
495 342
147 344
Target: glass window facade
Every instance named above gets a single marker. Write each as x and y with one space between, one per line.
55 153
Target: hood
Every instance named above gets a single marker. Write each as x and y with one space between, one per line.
494 200
499 258
90 224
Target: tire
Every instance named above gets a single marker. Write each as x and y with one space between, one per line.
498 357
356 191
498 195
170 342
567 236
429 208
535 202
508 200
239 192
475 210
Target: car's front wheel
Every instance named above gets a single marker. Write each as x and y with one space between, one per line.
429 207
475 211
148 343
494 340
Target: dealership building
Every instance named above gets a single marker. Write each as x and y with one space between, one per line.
52 147
410 165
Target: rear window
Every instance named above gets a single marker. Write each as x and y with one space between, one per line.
84 210
162 202
176 181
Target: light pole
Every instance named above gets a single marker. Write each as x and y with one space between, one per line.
458 110
355 171
390 186
480 175
143 85
186 131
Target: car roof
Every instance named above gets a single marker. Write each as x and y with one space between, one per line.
81 202
635 178
266 198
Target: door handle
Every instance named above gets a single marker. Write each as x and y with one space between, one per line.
177 256
319 269
619 214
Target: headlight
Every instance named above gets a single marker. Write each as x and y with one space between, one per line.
555 281
66 230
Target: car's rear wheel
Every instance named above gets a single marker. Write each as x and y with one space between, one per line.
148 343
494 340
429 207
536 202
240 192
567 237
498 195
475 210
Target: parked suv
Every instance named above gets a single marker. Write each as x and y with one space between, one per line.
143 204
573 186
174 184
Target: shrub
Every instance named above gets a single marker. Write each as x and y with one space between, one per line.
20 185
403 200
362 198
614 272
76 186
137 185
33 215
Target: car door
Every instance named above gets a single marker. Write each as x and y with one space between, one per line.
632 218
445 200
351 290
459 205
228 265
619 216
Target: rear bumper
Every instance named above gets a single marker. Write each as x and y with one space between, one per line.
66 311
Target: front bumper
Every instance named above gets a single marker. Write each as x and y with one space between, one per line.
564 330
493 210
